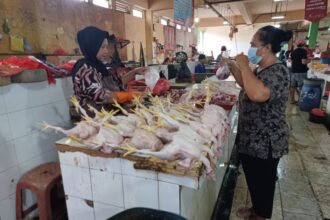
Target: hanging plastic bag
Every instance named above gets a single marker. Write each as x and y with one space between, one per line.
223 72
151 78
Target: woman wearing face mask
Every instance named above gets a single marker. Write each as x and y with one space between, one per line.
89 73
263 130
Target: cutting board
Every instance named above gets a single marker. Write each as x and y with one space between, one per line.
5 80
30 76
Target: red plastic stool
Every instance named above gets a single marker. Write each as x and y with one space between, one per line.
41 181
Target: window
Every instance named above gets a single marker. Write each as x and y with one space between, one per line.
101 3
189 29
163 22
84 1
137 13
122 7
178 27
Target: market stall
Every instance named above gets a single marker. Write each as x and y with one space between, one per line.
99 183
321 71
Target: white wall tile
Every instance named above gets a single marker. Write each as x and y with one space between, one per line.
37 98
8 208
30 164
140 192
21 123
77 159
106 164
50 156
103 211
107 187
5 132
180 180
169 197
61 109
77 182
16 97
8 181
28 147
54 114
128 169
3 108
188 202
7 156
67 87
78 209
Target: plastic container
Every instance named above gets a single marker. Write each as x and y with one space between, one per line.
325 60
317 115
310 95
146 214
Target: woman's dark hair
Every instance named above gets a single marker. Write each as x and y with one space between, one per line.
274 36
201 57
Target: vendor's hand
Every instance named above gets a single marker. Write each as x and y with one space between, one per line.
141 70
242 60
224 61
109 97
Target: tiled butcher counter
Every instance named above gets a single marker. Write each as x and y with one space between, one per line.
99 187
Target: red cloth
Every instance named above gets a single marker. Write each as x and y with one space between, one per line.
14 65
160 88
67 66
7 70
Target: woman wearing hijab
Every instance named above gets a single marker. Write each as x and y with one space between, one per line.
262 126
88 73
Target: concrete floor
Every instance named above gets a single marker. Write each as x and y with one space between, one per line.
303 189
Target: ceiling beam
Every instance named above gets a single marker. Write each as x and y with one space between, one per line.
261 18
218 13
245 12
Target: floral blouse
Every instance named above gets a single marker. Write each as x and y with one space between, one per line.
88 86
262 127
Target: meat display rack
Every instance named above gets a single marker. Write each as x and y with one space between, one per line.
141 162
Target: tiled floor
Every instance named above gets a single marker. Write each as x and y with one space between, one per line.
303 188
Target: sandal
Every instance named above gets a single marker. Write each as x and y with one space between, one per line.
244 212
293 102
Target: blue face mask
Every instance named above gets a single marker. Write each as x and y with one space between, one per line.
252 55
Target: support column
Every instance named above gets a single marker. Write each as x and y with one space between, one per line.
149 35
312 34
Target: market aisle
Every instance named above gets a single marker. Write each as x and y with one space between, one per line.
303 189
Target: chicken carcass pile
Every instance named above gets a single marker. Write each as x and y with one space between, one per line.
171 132
224 94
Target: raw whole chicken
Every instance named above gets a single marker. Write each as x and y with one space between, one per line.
184 149
106 138
143 139
82 130
165 130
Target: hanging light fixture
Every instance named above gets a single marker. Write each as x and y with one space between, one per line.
277 17
278 12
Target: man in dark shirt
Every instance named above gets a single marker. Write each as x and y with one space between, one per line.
298 70
200 68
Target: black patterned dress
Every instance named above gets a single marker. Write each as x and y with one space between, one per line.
262 127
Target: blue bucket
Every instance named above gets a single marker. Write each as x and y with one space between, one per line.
311 94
